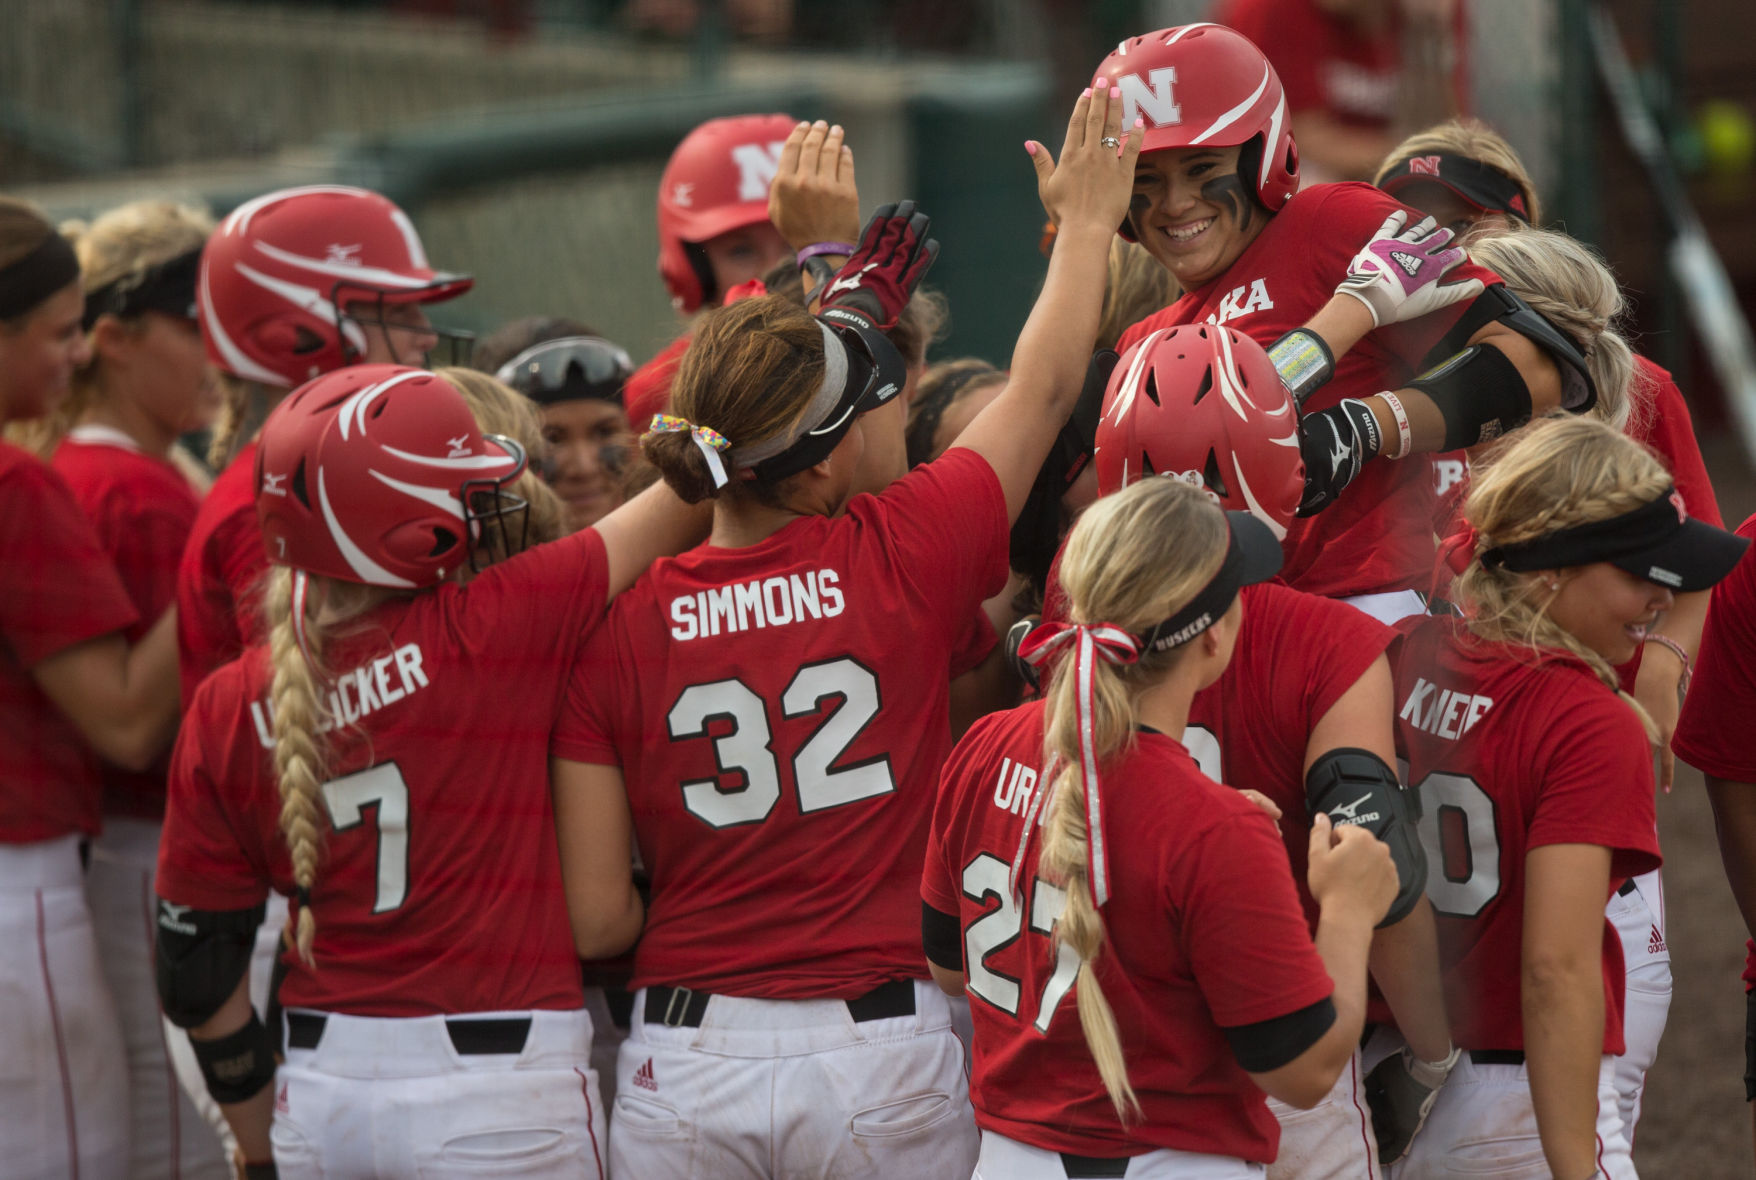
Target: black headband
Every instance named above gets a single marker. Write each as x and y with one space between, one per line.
168 287
38 275
932 409
1647 527
875 374
1480 184
1252 555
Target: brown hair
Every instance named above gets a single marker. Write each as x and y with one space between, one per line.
22 229
514 336
1137 287
749 373
500 409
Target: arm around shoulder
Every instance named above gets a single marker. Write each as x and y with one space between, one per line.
652 525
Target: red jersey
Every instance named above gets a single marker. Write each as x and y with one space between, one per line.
1712 734
142 509
648 389
780 715
217 581
1204 934
1379 535
1296 655
57 589
439 890
1510 752
1663 424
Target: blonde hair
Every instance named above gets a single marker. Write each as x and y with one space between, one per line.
750 373
1133 559
123 243
1137 287
1555 473
1566 281
500 409
1475 140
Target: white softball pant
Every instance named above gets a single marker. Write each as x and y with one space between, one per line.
415 1098
790 1089
1484 1124
1638 916
1331 1141
169 1135
63 1070
1008 1159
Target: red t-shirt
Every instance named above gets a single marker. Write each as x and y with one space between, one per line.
1204 933
648 389
1379 535
440 885
1325 63
780 715
1296 655
1663 423
217 581
1713 734
142 509
1511 751
57 589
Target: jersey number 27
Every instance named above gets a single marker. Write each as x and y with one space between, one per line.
985 878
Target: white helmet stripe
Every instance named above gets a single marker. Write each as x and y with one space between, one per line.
369 571
1268 157
1255 506
239 221
1237 112
1178 34
411 239
308 299
1229 387
437 497
236 362
1131 380
364 276
462 463
354 409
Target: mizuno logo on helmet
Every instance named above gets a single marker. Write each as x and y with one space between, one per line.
346 255
459 446
683 193
274 485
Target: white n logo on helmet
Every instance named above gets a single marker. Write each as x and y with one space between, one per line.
757 164
1152 99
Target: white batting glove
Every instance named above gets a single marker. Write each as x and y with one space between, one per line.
1396 274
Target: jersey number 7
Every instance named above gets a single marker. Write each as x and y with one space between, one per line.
984 878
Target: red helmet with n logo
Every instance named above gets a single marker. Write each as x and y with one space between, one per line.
716 181
1208 86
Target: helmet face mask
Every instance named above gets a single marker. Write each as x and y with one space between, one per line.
498 520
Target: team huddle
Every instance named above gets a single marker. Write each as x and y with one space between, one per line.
1219 745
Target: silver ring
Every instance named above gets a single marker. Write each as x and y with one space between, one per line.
1110 141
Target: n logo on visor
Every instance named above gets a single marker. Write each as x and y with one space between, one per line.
1152 99
1423 165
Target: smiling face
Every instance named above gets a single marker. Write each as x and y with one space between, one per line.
1192 212
587 439
1607 608
39 353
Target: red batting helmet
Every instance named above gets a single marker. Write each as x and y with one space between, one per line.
716 181
1208 86
277 272
379 474
1203 404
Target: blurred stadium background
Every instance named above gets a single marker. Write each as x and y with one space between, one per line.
526 138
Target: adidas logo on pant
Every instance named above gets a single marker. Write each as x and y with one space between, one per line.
643 1077
1656 945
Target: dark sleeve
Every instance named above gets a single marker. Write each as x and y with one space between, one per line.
1270 1044
941 938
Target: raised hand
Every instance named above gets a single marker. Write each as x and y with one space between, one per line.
1397 274
814 198
1094 179
893 256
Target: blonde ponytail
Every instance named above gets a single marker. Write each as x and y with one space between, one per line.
1134 559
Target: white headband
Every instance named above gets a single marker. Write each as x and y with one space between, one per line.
828 395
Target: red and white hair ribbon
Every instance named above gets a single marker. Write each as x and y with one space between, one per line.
301 587
1093 642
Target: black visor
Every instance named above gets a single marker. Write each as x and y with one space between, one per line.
168 288
1252 556
1483 186
572 368
875 374
1657 541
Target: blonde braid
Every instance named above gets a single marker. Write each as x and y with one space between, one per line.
300 754
1134 559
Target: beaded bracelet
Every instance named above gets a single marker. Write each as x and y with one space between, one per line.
1676 649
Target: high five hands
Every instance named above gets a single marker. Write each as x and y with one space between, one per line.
1094 179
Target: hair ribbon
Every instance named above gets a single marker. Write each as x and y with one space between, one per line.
709 441
1092 642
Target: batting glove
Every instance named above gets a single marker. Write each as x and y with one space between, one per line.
1396 274
1335 443
1401 1093
893 255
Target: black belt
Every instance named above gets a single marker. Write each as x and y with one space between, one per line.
1627 888
469 1036
680 1007
1497 1056
1093 1167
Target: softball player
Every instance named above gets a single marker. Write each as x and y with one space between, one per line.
1535 779
778 740
1217 202
1302 716
147 381
433 1016
70 683
577 382
1160 899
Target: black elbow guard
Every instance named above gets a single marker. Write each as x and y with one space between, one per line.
1479 392
238 1065
201 955
1354 786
